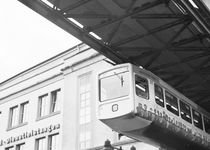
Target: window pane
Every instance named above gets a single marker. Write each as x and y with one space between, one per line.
10 148
41 144
197 119
185 112
55 101
44 106
84 139
84 98
141 85
23 112
53 142
20 146
159 95
13 116
114 86
84 111
172 103
207 124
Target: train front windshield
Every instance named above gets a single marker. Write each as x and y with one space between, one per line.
114 84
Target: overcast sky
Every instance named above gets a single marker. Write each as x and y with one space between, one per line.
26 38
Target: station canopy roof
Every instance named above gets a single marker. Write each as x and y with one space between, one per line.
171 38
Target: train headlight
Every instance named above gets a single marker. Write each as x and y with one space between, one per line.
114 107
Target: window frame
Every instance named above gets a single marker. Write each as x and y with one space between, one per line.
85 113
37 142
101 79
53 103
19 115
84 108
163 97
175 112
11 114
18 146
22 112
190 113
40 103
85 138
206 130
201 116
49 141
9 148
148 91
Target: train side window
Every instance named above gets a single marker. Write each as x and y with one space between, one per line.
172 103
197 119
185 112
159 95
142 89
207 124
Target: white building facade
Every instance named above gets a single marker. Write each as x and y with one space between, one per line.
52 106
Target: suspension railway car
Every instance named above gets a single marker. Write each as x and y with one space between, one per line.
138 104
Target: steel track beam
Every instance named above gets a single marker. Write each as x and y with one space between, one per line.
152 31
135 49
189 40
167 46
172 46
195 15
116 27
132 13
75 5
190 49
174 49
89 16
158 16
185 60
58 19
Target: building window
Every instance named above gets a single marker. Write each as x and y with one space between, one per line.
43 105
49 105
23 112
13 118
84 98
142 89
159 95
55 101
40 144
20 146
84 140
18 115
10 148
172 103
53 142
197 119
84 112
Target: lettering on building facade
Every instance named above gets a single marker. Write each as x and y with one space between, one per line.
29 134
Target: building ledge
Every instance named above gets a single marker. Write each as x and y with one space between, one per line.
17 126
47 116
